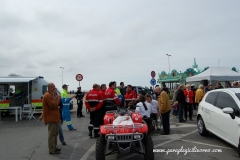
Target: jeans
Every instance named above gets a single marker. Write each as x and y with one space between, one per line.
60 132
188 108
175 112
180 112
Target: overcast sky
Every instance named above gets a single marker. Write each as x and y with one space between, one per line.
121 40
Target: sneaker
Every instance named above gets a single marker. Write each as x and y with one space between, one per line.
55 152
82 116
57 149
73 129
64 143
182 121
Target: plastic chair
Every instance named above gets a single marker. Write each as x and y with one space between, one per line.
27 109
33 109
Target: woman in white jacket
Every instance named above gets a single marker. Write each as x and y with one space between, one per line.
143 107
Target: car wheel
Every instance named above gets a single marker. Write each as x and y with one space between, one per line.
201 127
148 146
100 148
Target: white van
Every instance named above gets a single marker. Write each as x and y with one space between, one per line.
18 90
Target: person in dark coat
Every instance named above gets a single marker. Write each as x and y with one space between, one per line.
181 103
79 97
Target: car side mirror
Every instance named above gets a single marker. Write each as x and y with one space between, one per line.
229 110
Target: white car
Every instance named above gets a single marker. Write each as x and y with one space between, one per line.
219 113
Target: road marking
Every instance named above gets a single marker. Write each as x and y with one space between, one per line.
87 154
171 140
74 149
170 136
177 125
205 144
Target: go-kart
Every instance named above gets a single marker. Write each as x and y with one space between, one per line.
123 132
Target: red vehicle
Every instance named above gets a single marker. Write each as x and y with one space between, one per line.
123 132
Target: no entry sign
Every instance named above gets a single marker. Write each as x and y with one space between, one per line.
79 77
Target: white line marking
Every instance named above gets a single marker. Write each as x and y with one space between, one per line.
205 144
87 154
171 140
161 144
74 149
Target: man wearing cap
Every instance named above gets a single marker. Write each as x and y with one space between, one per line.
79 97
209 88
66 107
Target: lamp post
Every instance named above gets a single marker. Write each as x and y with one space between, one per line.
62 74
168 62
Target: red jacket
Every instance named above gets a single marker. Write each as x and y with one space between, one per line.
130 97
102 92
189 94
94 99
111 95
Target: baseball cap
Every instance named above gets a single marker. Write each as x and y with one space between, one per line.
210 84
64 86
192 85
78 87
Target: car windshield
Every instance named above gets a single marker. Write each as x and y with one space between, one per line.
238 95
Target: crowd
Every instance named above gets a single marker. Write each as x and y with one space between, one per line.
56 107
186 98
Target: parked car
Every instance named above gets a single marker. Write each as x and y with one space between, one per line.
219 113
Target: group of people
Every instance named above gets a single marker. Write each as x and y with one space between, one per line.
56 109
100 97
186 98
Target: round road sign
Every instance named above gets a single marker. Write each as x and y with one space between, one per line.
153 74
153 81
79 77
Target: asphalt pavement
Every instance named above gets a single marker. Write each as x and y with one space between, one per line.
27 140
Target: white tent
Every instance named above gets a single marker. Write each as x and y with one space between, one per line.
215 74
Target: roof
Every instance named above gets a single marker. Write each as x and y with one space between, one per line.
16 79
215 74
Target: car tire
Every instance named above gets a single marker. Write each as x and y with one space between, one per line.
148 145
201 127
100 147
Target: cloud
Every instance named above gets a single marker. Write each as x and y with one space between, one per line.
115 40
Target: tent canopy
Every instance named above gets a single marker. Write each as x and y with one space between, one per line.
16 79
215 74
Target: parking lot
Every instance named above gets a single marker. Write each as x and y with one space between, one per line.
27 140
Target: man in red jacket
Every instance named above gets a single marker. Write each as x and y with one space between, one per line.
130 97
111 95
94 102
102 92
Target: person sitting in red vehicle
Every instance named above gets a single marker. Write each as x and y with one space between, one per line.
130 97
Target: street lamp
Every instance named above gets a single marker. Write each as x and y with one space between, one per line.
62 74
168 62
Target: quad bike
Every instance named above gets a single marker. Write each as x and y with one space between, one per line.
123 132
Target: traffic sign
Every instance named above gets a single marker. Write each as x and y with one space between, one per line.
79 77
153 74
153 81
